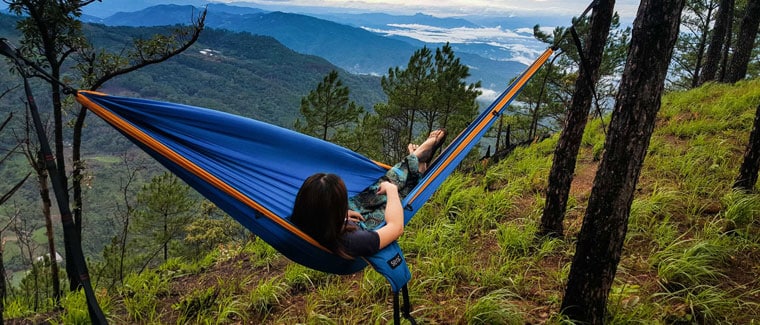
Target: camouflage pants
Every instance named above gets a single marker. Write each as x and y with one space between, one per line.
404 175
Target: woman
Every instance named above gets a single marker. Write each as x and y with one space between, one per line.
351 227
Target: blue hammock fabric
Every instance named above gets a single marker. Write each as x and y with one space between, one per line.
253 170
265 162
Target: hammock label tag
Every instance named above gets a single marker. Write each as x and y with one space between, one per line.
395 261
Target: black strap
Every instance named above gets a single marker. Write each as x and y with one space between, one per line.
589 79
406 310
71 236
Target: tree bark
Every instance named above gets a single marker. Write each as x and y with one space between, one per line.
702 45
561 174
717 41
600 241
46 204
748 171
745 41
727 46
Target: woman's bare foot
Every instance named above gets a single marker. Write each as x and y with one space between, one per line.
425 151
412 147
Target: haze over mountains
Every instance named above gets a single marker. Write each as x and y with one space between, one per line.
495 48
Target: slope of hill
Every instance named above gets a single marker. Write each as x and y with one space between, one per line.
691 255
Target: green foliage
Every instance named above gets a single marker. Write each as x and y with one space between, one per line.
327 109
687 263
197 305
140 293
544 99
300 278
262 253
741 211
214 228
74 305
165 208
429 93
266 295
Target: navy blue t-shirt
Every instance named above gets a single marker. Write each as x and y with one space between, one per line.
361 242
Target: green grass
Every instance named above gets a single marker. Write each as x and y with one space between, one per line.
691 255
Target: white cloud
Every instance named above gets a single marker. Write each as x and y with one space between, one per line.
627 8
488 95
454 35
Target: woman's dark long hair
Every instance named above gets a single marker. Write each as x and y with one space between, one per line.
320 210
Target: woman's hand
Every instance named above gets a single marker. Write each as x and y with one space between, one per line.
394 215
387 187
354 216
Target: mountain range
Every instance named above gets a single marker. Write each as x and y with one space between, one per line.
250 75
368 43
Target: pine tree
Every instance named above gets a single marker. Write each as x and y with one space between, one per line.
561 174
453 103
747 178
409 93
718 41
327 108
745 42
164 209
600 241
689 56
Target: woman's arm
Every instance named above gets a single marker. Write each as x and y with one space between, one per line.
394 215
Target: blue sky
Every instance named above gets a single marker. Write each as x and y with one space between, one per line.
445 8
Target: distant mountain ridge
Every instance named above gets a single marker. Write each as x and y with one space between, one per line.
250 75
352 48
381 19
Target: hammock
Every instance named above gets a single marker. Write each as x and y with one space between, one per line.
253 170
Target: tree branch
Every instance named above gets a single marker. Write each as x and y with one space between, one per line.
197 27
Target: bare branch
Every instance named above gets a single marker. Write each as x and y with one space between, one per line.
13 190
146 59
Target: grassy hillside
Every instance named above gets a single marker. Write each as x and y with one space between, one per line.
692 254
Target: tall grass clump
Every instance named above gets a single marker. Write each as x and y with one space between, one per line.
516 239
16 307
741 212
650 217
702 304
493 308
300 278
524 170
140 294
197 306
74 305
690 262
267 295
262 253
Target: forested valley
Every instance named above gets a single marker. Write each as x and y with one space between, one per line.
619 187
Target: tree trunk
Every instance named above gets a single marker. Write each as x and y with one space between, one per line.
561 174
748 171
702 45
717 41
498 133
46 204
727 46
745 41
71 270
600 240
